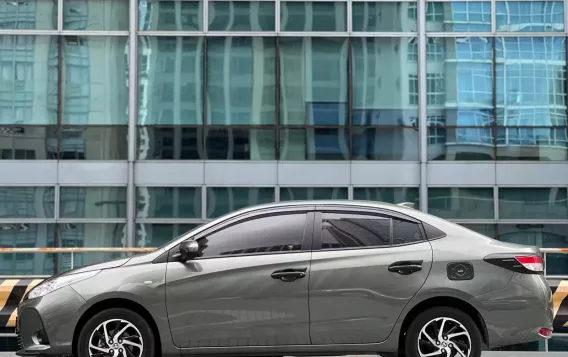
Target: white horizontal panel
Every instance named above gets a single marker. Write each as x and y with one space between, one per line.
240 173
28 173
539 174
92 173
460 173
385 173
168 173
312 173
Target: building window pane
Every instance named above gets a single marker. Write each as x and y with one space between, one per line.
533 203
97 15
28 15
314 144
177 15
460 110
240 144
380 17
241 80
156 235
92 202
531 98
313 193
558 343
95 89
387 194
313 16
241 16
313 81
170 143
461 203
385 144
94 143
29 67
24 235
27 202
530 16
222 200
170 80
28 142
168 202
459 16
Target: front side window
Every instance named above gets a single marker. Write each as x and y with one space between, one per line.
265 235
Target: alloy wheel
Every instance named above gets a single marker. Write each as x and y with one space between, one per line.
116 338
444 337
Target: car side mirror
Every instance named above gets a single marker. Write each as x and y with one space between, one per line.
188 250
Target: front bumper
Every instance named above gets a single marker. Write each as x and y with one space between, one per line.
45 326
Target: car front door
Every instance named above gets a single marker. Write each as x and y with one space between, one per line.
248 287
366 266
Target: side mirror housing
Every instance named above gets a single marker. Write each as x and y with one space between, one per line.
188 250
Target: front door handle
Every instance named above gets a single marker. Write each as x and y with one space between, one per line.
289 275
406 267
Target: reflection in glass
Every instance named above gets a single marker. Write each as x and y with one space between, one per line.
461 203
90 235
460 144
28 15
170 80
533 203
459 16
155 235
27 202
96 15
222 200
382 17
94 143
28 79
313 81
313 193
28 142
92 202
385 143
170 143
176 15
241 16
95 76
313 16
341 231
387 194
24 235
240 144
168 202
241 76
314 144
531 98
530 16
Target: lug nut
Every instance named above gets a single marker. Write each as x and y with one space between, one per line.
111 351
120 350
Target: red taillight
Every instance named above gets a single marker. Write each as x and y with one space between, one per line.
532 262
545 332
525 264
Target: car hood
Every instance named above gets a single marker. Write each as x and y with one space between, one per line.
100 266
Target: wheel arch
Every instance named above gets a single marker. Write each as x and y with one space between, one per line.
117 303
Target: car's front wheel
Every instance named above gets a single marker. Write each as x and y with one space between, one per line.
116 332
443 331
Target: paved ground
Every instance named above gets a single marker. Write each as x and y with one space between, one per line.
485 354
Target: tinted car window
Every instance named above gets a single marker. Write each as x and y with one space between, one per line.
405 232
354 231
272 234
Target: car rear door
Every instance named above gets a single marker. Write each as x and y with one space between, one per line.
366 266
249 287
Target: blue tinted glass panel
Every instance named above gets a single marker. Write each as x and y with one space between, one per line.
164 15
95 15
530 16
533 203
313 193
313 16
170 80
240 144
241 16
168 202
156 235
28 15
27 202
387 194
92 202
314 144
241 80
94 143
313 81
222 200
383 17
28 142
558 343
24 235
464 203
460 16
172 142
461 144
385 144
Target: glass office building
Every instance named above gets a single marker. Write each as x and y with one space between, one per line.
124 123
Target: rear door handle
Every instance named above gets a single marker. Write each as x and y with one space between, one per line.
406 267
289 275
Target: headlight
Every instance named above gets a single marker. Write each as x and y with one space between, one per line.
52 285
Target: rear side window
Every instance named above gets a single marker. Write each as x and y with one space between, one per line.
405 232
354 231
433 232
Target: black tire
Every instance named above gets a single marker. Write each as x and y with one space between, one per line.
411 341
135 319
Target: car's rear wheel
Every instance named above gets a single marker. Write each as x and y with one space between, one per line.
443 331
116 332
